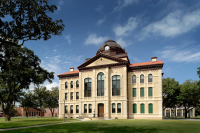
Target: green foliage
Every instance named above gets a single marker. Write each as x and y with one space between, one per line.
29 20
40 96
198 71
19 68
171 90
189 95
51 101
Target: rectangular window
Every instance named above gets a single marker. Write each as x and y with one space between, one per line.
90 108
65 108
45 111
134 79
77 95
141 108
116 85
71 109
87 87
151 108
85 108
119 108
65 96
150 92
134 108
141 92
113 108
71 97
134 92
77 108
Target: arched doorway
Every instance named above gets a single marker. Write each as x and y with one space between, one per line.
100 110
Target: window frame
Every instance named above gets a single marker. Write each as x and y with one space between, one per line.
141 91
77 110
135 79
113 109
150 111
76 95
86 89
119 110
71 84
141 108
135 92
151 92
71 95
135 109
66 109
116 80
71 109
89 110
150 78
77 84
66 85
100 81
141 78
66 96
85 109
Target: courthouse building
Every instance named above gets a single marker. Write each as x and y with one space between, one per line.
109 86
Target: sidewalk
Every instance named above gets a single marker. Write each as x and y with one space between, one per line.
6 129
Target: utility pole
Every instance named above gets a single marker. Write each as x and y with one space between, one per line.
64 110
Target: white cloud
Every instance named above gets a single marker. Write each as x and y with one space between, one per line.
124 3
175 23
79 58
127 28
122 43
99 9
53 84
54 50
100 21
93 39
60 3
180 54
68 38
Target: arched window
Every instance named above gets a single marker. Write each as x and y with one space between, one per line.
150 78
150 108
142 78
134 79
119 108
116 85
77 84
113 107
71 84
142 108
87 87
65 85
100 84
134 108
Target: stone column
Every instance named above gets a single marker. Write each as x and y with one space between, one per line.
80 94
106 91
193 112
170 114
176 112
125 92
165 112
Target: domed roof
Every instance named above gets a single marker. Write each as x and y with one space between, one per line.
111 44
114 48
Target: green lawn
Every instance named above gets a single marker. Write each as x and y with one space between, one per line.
21 122
115 126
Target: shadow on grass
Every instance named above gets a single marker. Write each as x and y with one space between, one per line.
88 128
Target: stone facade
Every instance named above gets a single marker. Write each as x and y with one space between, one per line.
129 90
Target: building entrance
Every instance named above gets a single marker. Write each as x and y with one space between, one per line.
101 110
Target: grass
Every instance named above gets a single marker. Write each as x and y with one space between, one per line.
119 126
22 122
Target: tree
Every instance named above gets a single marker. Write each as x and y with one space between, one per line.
171 90
198 71
29 21
40 96
19 68
52 99
27 102
189 95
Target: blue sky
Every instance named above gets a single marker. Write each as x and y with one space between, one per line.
169 30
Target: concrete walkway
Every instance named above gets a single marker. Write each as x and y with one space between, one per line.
6 129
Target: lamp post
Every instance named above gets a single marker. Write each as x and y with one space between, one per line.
94 113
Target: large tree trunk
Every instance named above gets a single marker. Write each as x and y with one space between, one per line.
41 111
185 112
52 112
7 118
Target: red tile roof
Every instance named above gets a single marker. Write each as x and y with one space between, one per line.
146 63
76 71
